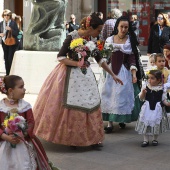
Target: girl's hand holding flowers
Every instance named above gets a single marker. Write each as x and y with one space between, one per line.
14 126
13 139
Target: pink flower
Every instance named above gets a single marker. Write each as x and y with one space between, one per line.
10 122
83 53
12 126
17 120
86 48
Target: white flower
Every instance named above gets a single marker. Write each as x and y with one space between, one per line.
22 126
22 120
108 46
91 45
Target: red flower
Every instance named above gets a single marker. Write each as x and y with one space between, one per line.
100 47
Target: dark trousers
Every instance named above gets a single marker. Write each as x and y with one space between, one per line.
8 56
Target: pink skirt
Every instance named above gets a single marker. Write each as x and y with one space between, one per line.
57 124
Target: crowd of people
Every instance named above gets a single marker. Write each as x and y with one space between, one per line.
70 108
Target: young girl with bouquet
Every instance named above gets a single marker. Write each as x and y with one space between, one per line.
19 148
152 118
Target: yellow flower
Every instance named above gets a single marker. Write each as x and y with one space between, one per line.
76 42
6 120
148 72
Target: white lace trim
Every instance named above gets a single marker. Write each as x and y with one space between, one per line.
23 106
74 34
101 61
133 68
61 58
125 48
150 117
155 88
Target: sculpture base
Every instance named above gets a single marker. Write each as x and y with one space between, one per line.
33 67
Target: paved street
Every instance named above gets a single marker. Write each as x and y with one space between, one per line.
121 150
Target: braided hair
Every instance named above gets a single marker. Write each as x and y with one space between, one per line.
134 43
94 21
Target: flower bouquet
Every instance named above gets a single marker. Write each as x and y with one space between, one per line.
105 49
15 124
82 50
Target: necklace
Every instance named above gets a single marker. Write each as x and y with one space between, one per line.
121 38
11 101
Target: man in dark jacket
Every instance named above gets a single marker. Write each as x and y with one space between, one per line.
72 25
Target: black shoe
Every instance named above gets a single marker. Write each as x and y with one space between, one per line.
108 129
97 145
73 147
122 125
154 143
144 144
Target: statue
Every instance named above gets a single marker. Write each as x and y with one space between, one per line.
46 30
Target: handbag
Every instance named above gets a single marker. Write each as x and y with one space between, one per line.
10 40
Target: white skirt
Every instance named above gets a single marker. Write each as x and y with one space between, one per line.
150 117
116 98
18 158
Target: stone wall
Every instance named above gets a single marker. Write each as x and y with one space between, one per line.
80 8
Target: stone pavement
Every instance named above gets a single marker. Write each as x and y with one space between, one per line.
121 150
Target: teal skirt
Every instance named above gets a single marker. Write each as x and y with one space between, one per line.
126 118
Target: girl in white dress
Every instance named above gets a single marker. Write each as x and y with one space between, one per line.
117 101
152 118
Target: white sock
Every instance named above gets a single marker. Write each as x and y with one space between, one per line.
146 138
110 124
155 137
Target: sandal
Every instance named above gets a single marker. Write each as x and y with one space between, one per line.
154 143
145 144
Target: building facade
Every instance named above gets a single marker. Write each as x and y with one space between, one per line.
146 10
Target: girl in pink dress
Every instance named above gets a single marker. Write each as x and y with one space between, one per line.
67 110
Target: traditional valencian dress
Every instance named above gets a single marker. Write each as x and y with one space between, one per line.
153 118
67 110
29 153
117 101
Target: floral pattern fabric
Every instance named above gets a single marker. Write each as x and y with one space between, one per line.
58 124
